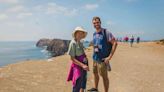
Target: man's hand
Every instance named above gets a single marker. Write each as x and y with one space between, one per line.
114 43
106 60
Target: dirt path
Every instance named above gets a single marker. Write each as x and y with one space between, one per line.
136 69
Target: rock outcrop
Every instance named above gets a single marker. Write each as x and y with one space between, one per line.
161 42
43 42
56 47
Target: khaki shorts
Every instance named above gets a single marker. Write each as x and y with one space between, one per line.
101 68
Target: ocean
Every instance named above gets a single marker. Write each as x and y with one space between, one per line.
13 52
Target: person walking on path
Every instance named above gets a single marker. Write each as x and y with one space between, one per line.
131 41
138 39
126 39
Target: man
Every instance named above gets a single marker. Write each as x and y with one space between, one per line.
103 40
138 39
131 41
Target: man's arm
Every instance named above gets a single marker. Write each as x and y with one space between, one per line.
114 43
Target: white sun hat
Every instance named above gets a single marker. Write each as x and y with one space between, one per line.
79 29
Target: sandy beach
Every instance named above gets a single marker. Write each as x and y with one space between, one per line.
134 69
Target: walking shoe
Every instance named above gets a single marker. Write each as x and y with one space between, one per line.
92 90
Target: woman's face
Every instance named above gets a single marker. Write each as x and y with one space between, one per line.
79 35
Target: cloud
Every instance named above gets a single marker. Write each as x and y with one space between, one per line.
23 15
91 6
14 24
19 10
110 23
16 9
39 8
16 12
3 16
53 8
9 1
71 12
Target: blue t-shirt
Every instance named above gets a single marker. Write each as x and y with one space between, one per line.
100 44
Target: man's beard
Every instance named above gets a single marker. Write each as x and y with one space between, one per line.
98 27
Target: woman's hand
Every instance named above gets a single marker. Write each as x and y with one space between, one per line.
85 67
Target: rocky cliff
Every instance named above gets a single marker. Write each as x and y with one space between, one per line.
55 46
43 42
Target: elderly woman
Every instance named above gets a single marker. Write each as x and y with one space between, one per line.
79 66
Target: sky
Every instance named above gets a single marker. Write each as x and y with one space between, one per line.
31 20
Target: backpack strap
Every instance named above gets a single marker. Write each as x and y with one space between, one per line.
104 31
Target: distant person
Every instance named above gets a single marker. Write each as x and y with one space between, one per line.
117 39
131 41
79 66
104 46
120 39
138 39
126 39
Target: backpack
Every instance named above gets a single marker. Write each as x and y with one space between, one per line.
109 48
109 45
